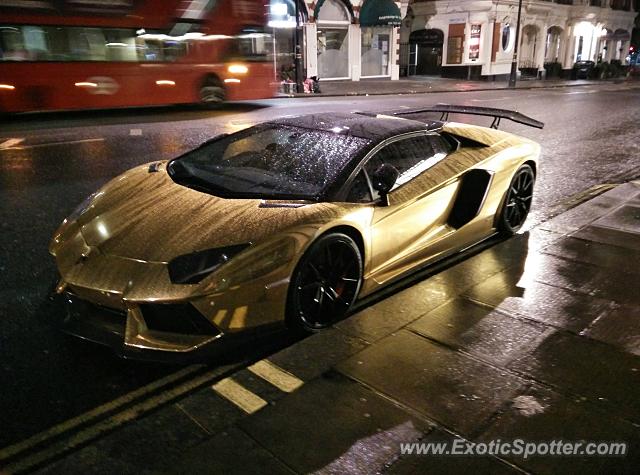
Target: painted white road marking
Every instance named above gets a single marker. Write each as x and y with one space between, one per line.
239 395
581 92
135 132
275 375
491 100
10 143
50 144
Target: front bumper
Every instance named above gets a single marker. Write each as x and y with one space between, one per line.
140 332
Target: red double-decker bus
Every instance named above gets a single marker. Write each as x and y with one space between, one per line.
86 54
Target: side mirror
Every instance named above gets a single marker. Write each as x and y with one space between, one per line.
383 180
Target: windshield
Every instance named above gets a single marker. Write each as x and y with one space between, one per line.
270 161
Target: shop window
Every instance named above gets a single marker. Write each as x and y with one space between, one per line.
333 20
333 52
376 43
506 38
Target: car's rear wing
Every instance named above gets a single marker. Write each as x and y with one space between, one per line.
497 114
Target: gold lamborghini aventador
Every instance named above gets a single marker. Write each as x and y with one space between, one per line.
289 221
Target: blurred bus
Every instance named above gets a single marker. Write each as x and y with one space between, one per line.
82 54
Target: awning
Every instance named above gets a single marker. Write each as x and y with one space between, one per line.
380 13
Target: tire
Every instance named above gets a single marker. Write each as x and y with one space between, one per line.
325 283
517 201
212 93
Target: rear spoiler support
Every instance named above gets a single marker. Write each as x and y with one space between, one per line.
497 114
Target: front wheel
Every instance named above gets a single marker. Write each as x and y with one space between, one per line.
325 283
517 203
212 92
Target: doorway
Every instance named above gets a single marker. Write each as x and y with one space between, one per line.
425 52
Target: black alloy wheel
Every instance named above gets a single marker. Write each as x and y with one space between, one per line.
325 283
518 200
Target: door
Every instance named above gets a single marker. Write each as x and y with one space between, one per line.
406 232
413 59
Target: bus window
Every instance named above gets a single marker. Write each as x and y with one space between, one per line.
120 44
12 46
57 43
160 48
86 44
34 42
249 46
173 49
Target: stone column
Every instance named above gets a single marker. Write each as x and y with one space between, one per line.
608 54
541 46
311 53
354 52
394 50
568 48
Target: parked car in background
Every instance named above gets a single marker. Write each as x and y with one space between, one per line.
583 69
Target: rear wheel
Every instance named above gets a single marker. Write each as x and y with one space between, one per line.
212 92
517 202
325 283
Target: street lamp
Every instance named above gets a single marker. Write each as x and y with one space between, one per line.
514 62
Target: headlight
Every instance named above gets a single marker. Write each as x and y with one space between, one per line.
82 207
192 268
238 69
255 265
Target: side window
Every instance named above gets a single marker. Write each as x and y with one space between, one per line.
403 154
359 192
410 156
440 145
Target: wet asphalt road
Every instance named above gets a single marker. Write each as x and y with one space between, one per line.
50 162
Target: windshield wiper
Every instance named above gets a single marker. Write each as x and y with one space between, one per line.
182 175
176 169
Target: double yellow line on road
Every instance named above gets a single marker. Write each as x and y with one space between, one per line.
54 445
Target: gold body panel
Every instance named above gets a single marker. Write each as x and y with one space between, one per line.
115 253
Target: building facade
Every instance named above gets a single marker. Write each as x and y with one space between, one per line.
342 39
476 38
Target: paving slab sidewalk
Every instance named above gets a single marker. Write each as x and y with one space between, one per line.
535 338
431 84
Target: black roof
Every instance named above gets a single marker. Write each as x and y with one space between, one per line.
365 125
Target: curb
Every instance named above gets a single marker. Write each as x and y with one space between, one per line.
434 91
288 361
245 391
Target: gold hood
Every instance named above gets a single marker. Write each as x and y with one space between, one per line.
146 216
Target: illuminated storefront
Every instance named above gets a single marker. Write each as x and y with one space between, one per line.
378 19
352 39
479 37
